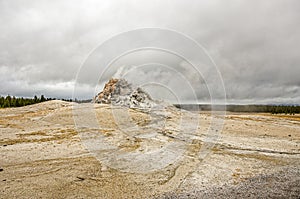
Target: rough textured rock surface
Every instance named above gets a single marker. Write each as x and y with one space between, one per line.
120 92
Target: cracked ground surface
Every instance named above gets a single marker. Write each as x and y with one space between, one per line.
149 154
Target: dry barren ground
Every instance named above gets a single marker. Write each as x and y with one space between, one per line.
42 155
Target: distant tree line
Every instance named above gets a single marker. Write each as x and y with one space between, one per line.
83 101
12 101
274 109
291 110
75 100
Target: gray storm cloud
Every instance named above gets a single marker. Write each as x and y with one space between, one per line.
255 45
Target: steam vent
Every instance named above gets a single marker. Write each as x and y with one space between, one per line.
121 93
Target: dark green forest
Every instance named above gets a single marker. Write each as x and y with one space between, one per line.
12 101
274 109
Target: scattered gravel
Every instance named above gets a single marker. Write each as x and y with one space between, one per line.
282 184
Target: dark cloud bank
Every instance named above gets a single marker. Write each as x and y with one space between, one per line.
255 45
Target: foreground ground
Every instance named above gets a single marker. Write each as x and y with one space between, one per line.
43 154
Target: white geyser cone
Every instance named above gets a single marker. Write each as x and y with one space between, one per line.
120 92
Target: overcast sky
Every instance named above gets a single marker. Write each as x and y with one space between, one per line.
254 43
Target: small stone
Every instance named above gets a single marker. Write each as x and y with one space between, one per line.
80 178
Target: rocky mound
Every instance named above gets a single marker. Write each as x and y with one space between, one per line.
120 92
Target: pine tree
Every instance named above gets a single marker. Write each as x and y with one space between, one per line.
43 98
35 99
6 103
